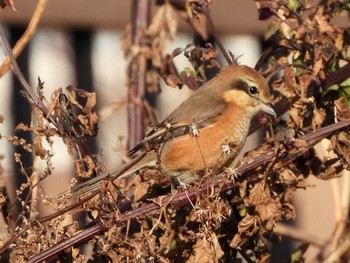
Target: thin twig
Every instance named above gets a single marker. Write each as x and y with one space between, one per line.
203 7
342 210
338 253
28 89
80 237
33 96
337 76
185 197
35 178
45 219
22 42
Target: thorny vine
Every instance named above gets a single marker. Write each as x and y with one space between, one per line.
307 64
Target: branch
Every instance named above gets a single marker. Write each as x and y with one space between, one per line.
79 238
337 255
185 197
337 76
22 42
137 75
32 95
21 78
45 219
203 7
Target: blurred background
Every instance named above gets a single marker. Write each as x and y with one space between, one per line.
78 44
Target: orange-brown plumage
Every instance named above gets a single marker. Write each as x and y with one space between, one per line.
189 153
223 109
226 105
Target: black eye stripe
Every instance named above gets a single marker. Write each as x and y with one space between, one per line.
250 89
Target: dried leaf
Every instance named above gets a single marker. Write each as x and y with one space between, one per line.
38 147
206 250
296 117
281 87
188 78
54 102
152 81
246 227
289 211
299 143
243 188
318 118
304 80
176 52
172 80
91 166
22 127
318 61
343 108
323 21
141 189
266 11
163 20
340 144
267 208
91 100
289 80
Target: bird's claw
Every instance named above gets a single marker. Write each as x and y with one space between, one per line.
183 185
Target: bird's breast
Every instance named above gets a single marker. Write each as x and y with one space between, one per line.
188 153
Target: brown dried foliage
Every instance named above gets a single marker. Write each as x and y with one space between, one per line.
137 219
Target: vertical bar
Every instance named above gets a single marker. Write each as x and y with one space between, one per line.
140 13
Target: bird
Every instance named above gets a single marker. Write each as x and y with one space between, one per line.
206 131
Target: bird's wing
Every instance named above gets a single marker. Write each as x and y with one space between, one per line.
198 111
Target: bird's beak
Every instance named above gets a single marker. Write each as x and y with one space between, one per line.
267 109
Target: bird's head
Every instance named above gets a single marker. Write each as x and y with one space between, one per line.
246 88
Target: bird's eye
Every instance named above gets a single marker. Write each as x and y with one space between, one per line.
253 90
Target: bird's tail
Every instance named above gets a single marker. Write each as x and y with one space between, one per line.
145 159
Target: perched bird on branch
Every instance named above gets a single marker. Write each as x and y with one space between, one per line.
206 131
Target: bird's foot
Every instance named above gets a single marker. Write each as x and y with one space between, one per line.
183 185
